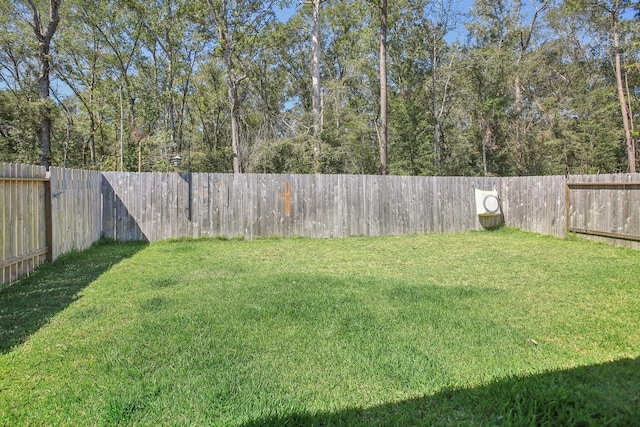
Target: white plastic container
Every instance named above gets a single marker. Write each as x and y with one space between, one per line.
487 203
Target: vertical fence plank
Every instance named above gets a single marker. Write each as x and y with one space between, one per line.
167 196
194 220
108 214
7 220
13 218
4 186
203 205
156 198
218 208
221 187
29 220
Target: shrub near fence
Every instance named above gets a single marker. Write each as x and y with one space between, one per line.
86 205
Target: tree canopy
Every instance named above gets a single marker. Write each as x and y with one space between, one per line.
422 87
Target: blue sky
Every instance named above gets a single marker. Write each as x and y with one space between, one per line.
283 14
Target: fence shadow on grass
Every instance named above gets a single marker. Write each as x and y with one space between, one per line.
606 394
29 303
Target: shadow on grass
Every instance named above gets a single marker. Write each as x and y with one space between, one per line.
606 394
29 303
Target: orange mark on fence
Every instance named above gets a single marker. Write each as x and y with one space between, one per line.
287 198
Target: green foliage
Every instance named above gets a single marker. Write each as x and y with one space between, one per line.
499 92
289 155
19 129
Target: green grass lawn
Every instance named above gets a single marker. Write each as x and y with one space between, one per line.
480 328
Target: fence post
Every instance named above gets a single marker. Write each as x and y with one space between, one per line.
567 207
48 220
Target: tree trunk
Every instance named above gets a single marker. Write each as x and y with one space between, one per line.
45 111
232 95
521 131
629 109
520 163
434 101
232 92
227 43
383 88
486 140
121 130
172 118
315 66
92 139
315 83
631 149
44 69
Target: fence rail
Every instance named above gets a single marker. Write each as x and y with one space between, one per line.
71 209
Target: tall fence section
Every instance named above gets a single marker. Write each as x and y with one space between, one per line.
605 207
76 206
156 206
24 212
44 215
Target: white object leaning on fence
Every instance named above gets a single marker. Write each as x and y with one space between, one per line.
487 202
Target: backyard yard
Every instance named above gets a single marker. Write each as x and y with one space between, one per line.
478 328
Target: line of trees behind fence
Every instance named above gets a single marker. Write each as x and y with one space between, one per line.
503 87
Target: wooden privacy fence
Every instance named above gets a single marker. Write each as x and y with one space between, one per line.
24 239
156 206
605 207
45 215
76 206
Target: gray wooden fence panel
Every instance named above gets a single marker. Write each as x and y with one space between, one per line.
345 205
74 223
23 242
530 203
606 209
76 208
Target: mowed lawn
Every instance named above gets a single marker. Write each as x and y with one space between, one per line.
479 328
